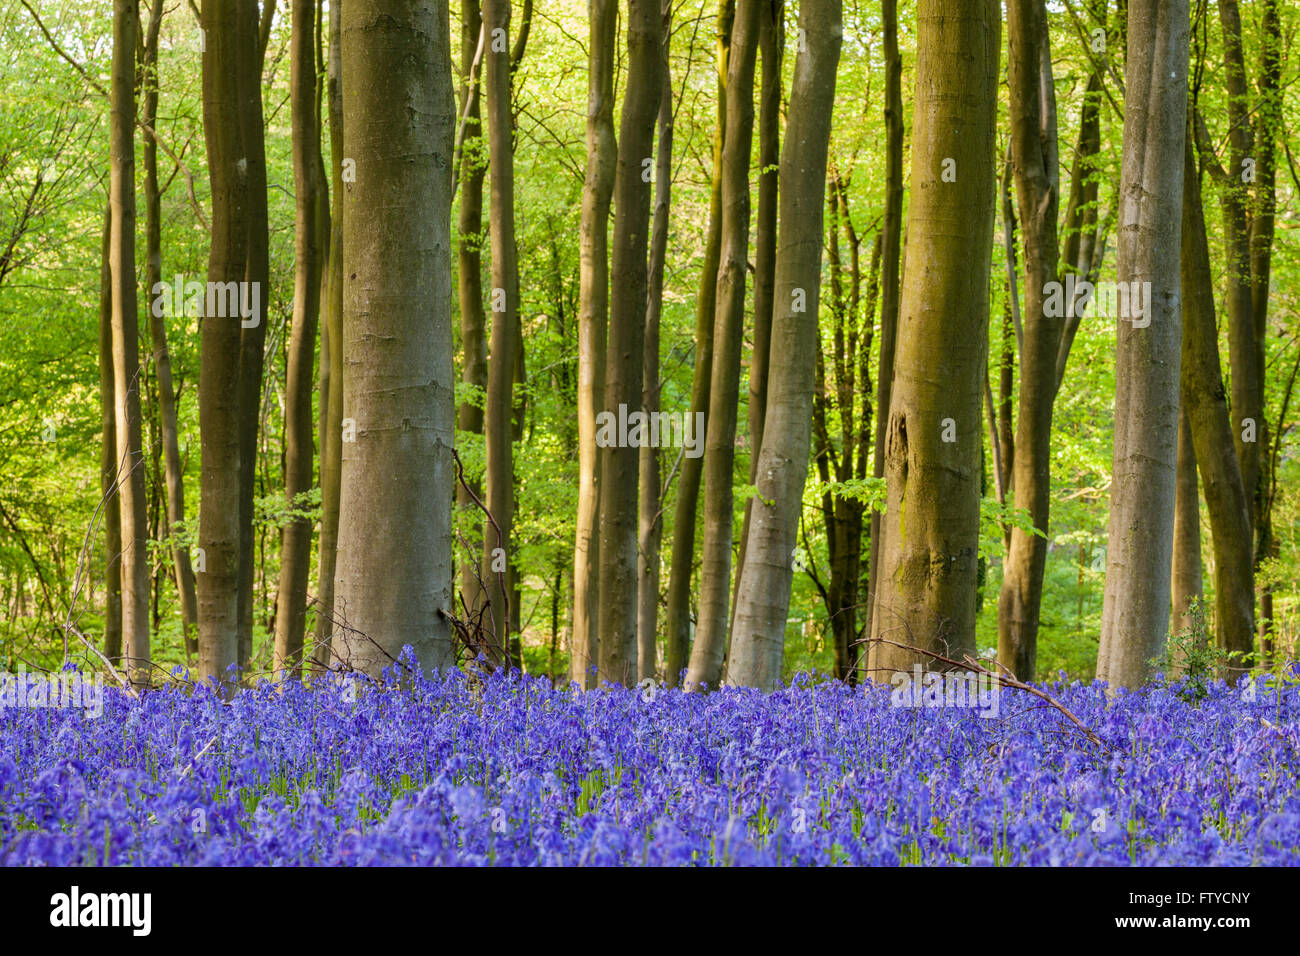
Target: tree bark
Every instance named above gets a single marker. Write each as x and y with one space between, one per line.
126 345
771 45
678 644
395 572
1034 160
616 623
219 407
593 314
763 600
108 455
728 326
299 450
499 408
331 438
1186 572
891 236
926 588
469 276
1226 499
1135 610
650 526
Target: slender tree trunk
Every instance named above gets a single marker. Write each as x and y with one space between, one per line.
728 325
1245 345
394 554
1267 126
331 438
1186 572
256 273
1226 498
108 455
616 624
498 425
299 451
593 310
771 47
1034 159
219 483
469 277
763 602
891 233
1135 612
174 517
126 345
678 643
926 587
650 526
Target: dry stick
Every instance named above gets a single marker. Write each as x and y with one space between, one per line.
1004 680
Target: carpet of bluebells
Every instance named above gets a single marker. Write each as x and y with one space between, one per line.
506 770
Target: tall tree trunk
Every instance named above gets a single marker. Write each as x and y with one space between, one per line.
394 555
891 233
331 437
498 425
1186 572
469 275
174 517
1034 159
108 454
650 526
126 344
593 310
256 272
1267 126
763 601
1135 610
616 625
926 588
1245 344
678 642
219 421
728 326
771 45
299 449
1226 498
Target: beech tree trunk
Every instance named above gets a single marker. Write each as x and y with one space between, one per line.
678 645
891 246
395 572
299 449
593 311
763 600
1226 498
710 646
926 588
1135 610
331 437
129 464
219 421
1186 572
498 425
616 624
469 275
650 525
108 455
1034 160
